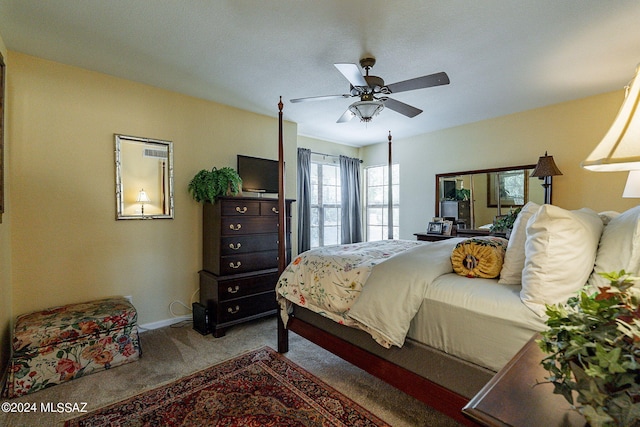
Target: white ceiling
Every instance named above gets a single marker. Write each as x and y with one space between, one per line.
502 56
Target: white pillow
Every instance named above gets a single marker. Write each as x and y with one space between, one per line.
619 247
607 216
511 273
560 252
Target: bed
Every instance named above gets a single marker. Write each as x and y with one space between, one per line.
448 329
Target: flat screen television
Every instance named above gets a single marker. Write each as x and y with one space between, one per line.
258 175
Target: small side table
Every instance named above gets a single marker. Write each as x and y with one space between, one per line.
427 237
465 233
513 397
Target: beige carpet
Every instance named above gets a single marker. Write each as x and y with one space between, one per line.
172 352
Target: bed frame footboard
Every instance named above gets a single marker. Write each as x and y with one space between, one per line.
439 398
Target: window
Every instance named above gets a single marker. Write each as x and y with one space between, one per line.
325 204
377 194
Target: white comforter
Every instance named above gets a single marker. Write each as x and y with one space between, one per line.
377 287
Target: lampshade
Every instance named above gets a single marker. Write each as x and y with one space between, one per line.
619 150
632 187
366 110
142 197
546 167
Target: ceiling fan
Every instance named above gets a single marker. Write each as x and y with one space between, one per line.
373 92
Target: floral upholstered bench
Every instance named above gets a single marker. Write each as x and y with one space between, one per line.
67 342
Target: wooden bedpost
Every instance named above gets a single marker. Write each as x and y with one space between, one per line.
390 192
283 333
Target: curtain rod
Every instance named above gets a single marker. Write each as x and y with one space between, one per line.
330 155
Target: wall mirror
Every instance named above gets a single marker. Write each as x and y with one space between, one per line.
144 178
475 198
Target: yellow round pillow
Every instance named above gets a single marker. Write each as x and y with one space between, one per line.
479 257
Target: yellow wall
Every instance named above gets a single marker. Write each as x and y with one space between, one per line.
5 248
67 245
568 131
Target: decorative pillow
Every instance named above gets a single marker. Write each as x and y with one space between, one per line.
479 257
560 252
511 273
619 247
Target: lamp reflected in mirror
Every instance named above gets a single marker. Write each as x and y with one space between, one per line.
142 199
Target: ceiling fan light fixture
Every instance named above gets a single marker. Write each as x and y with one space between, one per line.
366 110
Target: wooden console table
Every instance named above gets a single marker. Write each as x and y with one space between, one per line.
466 233
513 397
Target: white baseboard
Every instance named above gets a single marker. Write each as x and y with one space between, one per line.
165 322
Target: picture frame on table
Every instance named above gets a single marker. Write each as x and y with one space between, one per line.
447 226
435 228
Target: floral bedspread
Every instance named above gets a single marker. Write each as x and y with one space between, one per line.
331 281
328 280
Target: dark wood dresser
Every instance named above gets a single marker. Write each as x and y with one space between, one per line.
240 259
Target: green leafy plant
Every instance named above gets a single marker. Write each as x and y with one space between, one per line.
593 342
208 185
505 222
459 194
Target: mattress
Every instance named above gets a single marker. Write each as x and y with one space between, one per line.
478 320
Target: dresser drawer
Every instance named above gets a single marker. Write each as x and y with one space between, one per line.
241 263
246 307
248 243
214 289
233 226
238 288
270 208
240 207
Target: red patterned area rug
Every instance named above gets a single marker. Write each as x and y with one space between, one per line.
259 388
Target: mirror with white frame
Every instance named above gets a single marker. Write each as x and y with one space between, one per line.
144 178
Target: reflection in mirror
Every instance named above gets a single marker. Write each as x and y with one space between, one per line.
144 178
471 197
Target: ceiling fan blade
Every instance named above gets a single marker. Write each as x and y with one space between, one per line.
352 73
401 107
320 98
431 80
347 116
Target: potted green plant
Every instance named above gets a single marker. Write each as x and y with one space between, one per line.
207 185
593 342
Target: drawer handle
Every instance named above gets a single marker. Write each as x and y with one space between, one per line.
274 210
233 310
241 210
233 290
236 265
235 247
235 227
